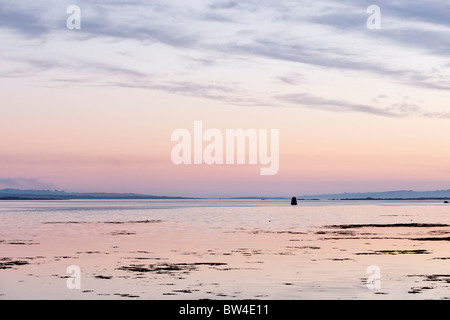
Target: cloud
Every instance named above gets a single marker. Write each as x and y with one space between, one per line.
436 115
215 35
310 101
78 159
316 56
415 24
88 69
221 92
26 21
396 110
289 79
431 11
223 5
25 183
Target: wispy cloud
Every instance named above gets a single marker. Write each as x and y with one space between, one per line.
221 92
62 159
310 101
411 50
25 183
27 21
403 109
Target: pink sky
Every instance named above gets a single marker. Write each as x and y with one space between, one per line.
94 109
126 147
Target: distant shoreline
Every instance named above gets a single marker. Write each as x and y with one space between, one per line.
94 198
185 198
375 199
402 195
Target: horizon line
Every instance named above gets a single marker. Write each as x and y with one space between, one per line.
219 196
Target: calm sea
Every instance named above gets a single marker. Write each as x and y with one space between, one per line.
224 249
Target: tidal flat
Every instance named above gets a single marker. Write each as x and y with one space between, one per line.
224 249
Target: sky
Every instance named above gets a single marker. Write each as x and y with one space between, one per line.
93 109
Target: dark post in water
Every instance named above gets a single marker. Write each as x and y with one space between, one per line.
294 201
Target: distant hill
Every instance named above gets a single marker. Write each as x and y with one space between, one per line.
398 195
17 194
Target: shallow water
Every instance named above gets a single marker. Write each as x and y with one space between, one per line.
224 249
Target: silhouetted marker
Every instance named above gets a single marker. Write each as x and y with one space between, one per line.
294 201
445 201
